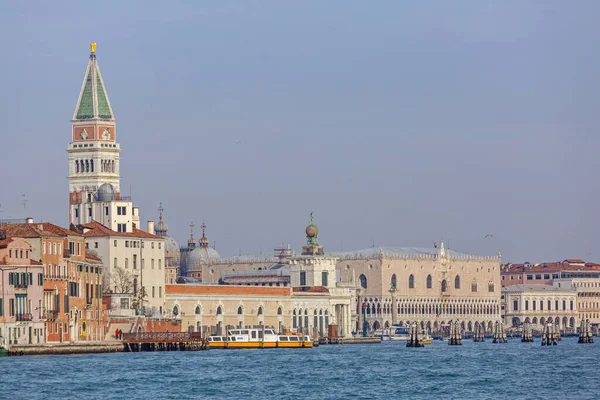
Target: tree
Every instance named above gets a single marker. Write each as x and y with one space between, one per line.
120 280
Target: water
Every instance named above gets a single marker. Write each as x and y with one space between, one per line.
388 370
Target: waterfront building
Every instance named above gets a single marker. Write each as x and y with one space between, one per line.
21 289
587 286
315 300
542 273
72 280
539 304
133 264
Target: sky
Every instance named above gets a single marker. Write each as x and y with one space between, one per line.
397 122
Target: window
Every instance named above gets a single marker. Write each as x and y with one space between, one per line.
541 305
538 277
474 286
143 263
526 305
411 282
444 286
152 263
571 305
153 293
546 276
516 305
324 278
240 311
90 212
77 213
160 291
159 263
159 245
429 283
135 261
40 279
457 282
564 305
491 287
302 278
127 243
363 281
534 305
121 227
95 245
105 210
115 243
127 263
529 277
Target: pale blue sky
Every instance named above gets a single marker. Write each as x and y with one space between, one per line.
397 122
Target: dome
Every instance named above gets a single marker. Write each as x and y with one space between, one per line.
161 228
106 192
172 253
312 231
201 255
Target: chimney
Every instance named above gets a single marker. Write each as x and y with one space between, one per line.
29 220
151 227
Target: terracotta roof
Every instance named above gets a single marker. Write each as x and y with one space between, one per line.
574 261
549 267
31 262
28 231
311 289
96 229
59 230
227 290
92 257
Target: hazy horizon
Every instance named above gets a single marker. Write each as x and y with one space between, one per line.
397 123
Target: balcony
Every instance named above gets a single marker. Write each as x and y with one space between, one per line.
23 317
21 285
51 314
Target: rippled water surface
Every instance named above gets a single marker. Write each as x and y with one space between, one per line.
388 370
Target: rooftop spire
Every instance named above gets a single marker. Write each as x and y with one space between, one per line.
93 101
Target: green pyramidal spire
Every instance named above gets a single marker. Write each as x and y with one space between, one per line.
93 101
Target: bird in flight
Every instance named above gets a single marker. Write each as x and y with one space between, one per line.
488 235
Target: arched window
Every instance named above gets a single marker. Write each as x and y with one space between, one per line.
240 310
490 286
474 286
394 281
411 281
260 310
429 284
219 310
197 310
92 165
279 311
87 166
76 166
444 286
363 281
294 322
175 310
457 282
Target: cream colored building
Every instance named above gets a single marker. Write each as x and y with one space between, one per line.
587 290
139 253
539 304
315 300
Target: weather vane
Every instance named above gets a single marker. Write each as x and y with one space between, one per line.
93 47
312 216
160 210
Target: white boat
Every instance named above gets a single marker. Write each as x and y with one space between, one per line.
395 333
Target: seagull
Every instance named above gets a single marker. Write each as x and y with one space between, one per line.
488 235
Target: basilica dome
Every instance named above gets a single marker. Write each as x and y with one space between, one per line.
172 252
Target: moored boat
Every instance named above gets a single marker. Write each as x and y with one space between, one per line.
252 338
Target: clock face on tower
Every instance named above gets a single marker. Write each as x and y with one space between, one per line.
106 134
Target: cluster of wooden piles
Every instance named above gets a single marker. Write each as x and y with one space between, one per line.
455 338
479 334
499 334
414 337
585 332
550 335
526 333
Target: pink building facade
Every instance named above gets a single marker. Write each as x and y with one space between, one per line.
21 293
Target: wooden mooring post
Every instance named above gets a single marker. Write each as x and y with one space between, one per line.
455 334
526 333
549 336
585 332
479 334
414 337
499 334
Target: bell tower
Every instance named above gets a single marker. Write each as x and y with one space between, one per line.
93 151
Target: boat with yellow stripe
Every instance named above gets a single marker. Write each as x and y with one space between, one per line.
253 338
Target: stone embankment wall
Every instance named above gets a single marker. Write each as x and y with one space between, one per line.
68 349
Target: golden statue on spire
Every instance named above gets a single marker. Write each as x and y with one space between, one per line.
93 47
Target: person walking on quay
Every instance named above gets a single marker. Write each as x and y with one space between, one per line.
117 333
120 334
